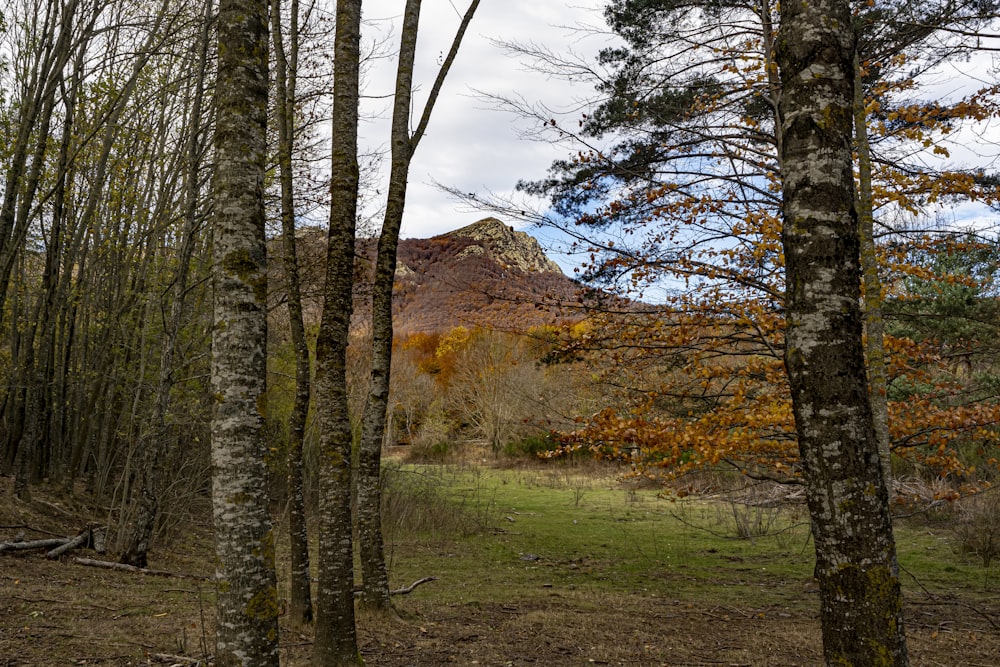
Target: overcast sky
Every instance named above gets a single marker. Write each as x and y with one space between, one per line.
469 145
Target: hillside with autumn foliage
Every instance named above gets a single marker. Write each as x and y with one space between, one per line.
485 275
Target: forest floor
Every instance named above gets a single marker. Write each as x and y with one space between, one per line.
549 573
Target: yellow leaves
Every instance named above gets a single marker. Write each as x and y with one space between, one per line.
452 341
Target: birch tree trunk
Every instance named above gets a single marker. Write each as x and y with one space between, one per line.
247 603
336 636
861 603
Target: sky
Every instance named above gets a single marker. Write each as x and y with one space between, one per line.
474 147
471 145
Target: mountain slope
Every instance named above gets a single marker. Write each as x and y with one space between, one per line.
485 274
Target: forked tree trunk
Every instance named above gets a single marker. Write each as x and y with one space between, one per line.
336 637
861 603
375 574
247 599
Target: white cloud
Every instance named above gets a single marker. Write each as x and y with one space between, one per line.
468 145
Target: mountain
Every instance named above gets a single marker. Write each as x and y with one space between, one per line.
486 274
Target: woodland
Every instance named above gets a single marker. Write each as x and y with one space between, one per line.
779 295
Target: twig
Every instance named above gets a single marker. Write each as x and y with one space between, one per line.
175 659
24 526
62 602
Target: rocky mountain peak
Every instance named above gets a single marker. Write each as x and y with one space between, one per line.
505 246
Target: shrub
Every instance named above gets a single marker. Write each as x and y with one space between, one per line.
533 446
429 452
976 526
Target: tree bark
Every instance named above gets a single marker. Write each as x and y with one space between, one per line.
861 603
247 600
336 636
286 67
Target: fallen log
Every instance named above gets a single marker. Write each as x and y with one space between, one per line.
122 567
80 540
47 543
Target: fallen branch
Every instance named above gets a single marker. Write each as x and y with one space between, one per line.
406 590
81 539
34 544
122 567
175 659
23 527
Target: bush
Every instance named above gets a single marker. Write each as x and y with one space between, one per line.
976 526
532 447
429 452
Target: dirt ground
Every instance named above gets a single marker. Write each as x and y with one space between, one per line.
63 613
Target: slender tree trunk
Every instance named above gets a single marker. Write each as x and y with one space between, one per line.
861 603
375 574
247 600
874 322
336 636
146 496
286 66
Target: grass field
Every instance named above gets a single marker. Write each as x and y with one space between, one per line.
553 565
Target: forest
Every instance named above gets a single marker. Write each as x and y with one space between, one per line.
221 367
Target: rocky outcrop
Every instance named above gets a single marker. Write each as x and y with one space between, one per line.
505 246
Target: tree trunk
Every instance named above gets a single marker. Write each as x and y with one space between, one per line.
369 493
375 575
286 66
874 322
247 602
861 603
336 637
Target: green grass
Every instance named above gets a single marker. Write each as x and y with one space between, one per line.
552 531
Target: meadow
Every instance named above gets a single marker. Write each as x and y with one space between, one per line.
539 565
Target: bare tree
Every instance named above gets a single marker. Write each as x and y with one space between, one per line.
286 72
336 636
404 144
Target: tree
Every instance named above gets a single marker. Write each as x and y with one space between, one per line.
404 144
146 495
861 600
336 637
674 189
247 596
286 71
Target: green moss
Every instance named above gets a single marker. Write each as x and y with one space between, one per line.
264 604
242 264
